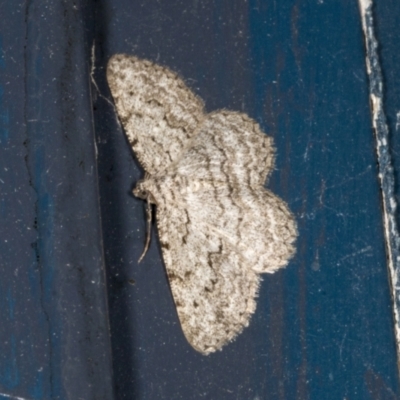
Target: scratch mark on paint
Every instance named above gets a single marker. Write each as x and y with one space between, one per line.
354 254
386 175
9 396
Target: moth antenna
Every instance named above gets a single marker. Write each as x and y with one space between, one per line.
148 235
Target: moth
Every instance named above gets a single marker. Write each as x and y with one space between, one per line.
219 228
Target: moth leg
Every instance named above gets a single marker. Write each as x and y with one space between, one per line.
148 235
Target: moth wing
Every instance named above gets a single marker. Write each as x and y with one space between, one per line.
214 295
214 246
229 146
267 231
158 111
226 167
222 229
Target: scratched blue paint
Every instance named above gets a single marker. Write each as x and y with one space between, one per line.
33 276
4 113
4 119
9 377
2 54
219 40
39 310
37 391
57 361
3 205
11 303
4 123
45 265
267 84
304 335
45 242
323 101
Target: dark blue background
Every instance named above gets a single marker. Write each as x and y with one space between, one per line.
323 328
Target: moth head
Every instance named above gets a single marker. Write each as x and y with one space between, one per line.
140 190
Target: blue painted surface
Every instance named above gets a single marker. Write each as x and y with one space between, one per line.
385 16
54 336
323 326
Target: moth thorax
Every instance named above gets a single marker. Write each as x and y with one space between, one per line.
153 189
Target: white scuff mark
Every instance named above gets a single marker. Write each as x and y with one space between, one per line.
354 254
341 346
386 176
9 396
333 186
92 72
93 80
96 150
397 120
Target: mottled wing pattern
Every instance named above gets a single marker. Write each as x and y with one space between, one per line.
213 292
219 228
237 141
157 110
232 153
